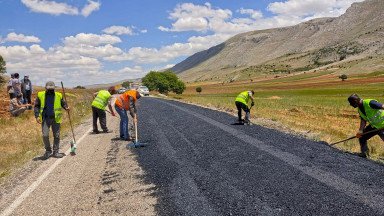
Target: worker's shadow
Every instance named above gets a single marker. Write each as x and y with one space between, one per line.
38 158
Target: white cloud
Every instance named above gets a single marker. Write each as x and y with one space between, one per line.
56 8
169 52
90 39
191 17
119 30
13 37
90 7
50 7
204 18
255 14
313 8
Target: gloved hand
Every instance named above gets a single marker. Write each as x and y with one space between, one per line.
253 103
359 134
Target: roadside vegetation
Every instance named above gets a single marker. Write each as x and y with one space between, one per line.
311 104
20 137
163 82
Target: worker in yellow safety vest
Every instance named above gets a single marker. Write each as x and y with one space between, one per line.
48 113
371 112
102 99
242 104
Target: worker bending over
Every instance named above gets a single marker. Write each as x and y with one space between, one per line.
372 112
242 104
102 99
124 102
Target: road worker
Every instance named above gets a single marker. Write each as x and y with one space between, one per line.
48 113
372 112
124 102
102 99
242 104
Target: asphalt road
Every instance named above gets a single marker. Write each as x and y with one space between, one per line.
196 163
203 165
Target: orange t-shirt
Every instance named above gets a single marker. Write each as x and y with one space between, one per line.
125 98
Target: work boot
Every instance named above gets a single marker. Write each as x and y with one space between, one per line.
107 131
95 132
46 155
58 155
362 154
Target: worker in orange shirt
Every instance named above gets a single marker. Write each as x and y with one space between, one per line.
124 102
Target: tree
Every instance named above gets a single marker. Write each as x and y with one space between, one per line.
163 82
199 89
179 87
343 77
3 68
126 84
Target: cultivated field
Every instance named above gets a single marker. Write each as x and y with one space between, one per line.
311 104
20 137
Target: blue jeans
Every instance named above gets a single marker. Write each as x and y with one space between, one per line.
123 122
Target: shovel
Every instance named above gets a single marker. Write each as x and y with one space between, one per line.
136 143
73 142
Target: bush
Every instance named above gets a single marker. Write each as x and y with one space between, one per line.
79 87
126 84
199 89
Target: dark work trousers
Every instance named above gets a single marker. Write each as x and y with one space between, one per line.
240 106
48 123
101 115
363 140
27 98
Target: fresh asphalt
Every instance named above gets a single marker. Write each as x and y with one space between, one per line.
200 164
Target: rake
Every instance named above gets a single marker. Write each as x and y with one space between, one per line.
73 142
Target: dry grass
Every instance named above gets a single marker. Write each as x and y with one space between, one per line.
20 137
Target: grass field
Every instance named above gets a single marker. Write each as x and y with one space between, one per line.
20 137
313 104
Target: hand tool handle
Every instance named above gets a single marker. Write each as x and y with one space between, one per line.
373 131
69 115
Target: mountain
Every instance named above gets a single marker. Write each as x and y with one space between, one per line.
357 34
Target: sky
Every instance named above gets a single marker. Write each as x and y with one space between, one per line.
83 42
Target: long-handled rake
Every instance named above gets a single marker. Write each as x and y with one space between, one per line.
353 137
73 142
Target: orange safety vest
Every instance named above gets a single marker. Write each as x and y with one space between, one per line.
125 97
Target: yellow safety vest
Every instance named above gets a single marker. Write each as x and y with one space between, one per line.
56 106
243 97
101 100
375 117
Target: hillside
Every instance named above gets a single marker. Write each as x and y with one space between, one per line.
356 35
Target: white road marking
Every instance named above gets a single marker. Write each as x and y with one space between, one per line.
39 180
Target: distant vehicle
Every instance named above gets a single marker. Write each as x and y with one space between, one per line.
121 90
134 86
143 90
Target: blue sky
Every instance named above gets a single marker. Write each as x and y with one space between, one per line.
82 42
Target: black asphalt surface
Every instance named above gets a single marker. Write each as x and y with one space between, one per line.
203 165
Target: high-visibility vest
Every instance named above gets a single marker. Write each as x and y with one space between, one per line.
101 100
125 97
56 106
243 97
375 117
